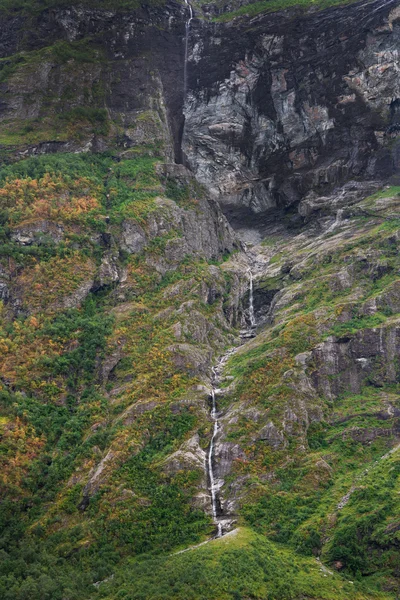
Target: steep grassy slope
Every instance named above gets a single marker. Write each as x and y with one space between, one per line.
110 322
240 565
98 366
121 285
252 9
316 404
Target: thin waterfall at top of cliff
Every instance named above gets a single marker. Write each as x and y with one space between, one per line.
187 31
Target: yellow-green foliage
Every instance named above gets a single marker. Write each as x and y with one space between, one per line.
19 446
49 284
240 565
94 403
50 197
266 6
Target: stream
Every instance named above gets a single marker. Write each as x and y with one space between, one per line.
214 485
187 32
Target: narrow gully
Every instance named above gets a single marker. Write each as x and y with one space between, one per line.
216 371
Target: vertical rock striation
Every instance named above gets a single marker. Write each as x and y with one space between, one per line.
279 106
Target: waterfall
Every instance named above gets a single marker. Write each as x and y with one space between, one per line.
337 222
213 491
216 373
187 31
251 302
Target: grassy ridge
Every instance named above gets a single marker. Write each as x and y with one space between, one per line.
266 6
241 565
37 6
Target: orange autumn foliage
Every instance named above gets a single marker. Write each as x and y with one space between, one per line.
51 197
20 446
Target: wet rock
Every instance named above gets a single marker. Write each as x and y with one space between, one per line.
4 284
341 197
96 477
109 363
190 359
4 291
76 298
290 421
189 456
225 454
347 363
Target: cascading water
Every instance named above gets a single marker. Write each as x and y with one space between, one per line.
222 522
251 302
187 31
213 491
216 374
337 222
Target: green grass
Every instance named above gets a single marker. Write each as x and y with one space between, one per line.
386 192
266 6
243 565
35 6
367 523
356 324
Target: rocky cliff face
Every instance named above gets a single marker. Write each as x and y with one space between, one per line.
132 219
74 58
280 107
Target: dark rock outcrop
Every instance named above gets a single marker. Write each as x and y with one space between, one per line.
281 106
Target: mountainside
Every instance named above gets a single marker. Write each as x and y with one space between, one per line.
199 300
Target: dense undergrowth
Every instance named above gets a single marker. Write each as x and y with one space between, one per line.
57 418
265 6
350 289
101 389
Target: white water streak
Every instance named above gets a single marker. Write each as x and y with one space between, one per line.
251 301
187 31
216 372
337 222
213 491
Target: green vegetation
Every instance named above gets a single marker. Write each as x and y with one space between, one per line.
242 565
265 6
62 413
82 51
296 479
386 192
99 400
35 6
370 515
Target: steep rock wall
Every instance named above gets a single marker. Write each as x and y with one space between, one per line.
129 63
286 103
